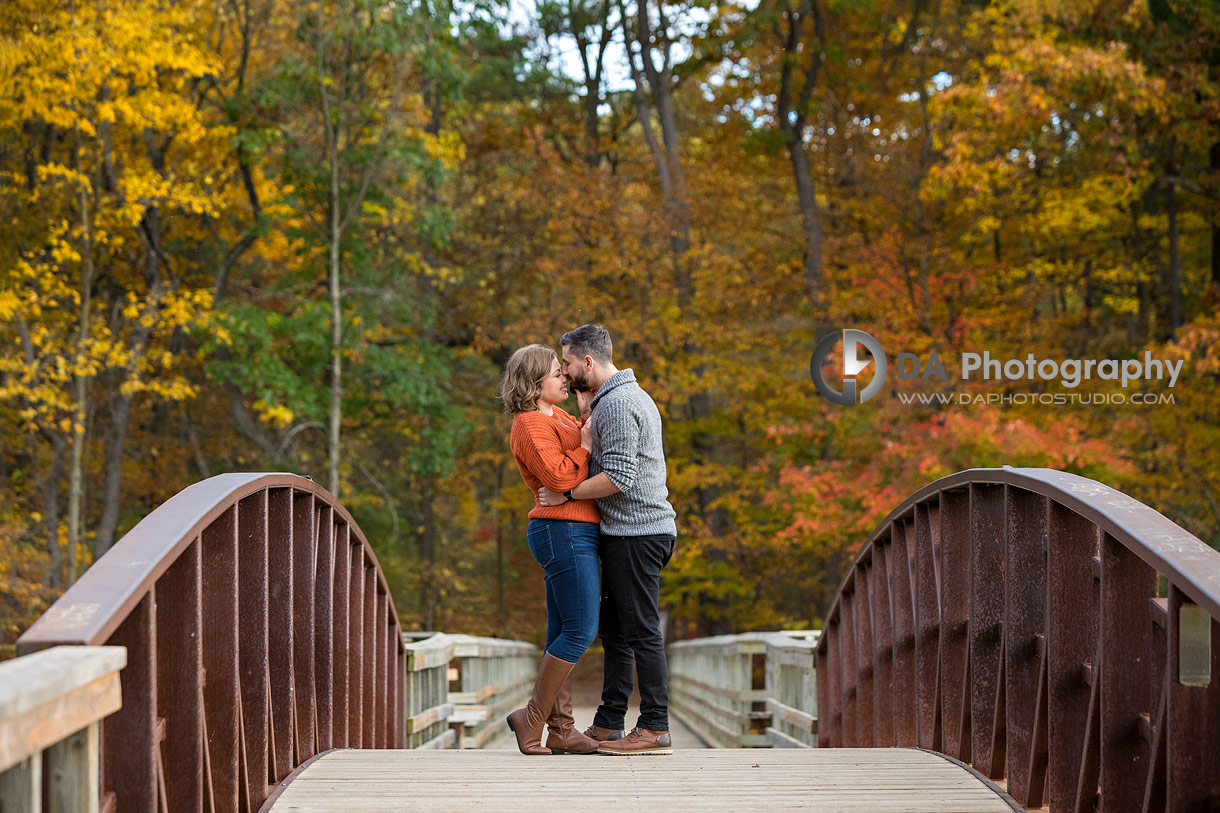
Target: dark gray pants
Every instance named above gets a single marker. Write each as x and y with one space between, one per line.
630 629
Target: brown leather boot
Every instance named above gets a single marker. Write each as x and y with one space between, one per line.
527 723
561 734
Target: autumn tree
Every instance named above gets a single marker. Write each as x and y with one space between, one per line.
91 289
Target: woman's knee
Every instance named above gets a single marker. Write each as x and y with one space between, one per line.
580 632
584 639
569 647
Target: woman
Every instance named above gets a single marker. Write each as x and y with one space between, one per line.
552 449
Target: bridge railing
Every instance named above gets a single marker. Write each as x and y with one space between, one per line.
259 631
751 690
792 690
1045 628
460 687
50 706
427 691
491 677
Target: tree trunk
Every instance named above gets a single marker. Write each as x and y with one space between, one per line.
112 488
76 480
120 413
242 421
790 108
501 605
49 488
660 84
921 231
1087 294
1215 168
593 150
593 84
811 222
667 157
427 553
1175 261
333 232
336 334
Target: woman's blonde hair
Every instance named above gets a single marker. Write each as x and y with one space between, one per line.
521 386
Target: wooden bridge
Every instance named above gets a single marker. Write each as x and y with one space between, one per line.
1006 637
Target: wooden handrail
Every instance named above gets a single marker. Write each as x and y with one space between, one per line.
792 690
259 630
427 693
488 676
1042 626
753 689
493 676
50 705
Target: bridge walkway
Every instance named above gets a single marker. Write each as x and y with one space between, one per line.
853 780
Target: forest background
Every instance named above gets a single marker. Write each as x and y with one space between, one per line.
305 236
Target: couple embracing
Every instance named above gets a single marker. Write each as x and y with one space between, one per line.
602 530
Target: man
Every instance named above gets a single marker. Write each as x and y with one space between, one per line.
627 478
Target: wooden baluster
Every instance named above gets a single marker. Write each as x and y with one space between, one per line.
282 633
1072 642
180 677
987 627
304 584
252 638
955 622
324 625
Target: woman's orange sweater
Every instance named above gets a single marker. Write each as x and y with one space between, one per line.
548 452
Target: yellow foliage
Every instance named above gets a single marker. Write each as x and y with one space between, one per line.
142 58
275 414
23 594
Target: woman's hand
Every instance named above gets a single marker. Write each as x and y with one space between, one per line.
586 437
583 399
550 498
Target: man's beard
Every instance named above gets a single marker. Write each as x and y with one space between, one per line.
579 382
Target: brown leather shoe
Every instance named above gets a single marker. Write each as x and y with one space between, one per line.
561 734
640 742
527 723
596 732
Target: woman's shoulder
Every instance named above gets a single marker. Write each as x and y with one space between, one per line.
531 423
534 426
533 417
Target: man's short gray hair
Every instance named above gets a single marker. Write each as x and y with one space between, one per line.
589 340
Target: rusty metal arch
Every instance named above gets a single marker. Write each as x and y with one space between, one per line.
1042 626
259 631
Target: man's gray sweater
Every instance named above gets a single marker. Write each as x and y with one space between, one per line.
626 432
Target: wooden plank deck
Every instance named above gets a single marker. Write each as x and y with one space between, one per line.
840 779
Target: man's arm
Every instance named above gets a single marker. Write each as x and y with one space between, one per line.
597 486
620 442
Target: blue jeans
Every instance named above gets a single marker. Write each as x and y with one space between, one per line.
567 552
